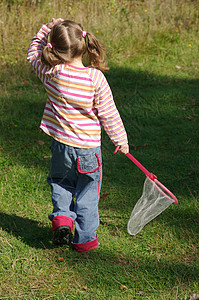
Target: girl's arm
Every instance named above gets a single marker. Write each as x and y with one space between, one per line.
35 50
110 117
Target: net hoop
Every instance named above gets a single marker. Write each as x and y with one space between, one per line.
163 188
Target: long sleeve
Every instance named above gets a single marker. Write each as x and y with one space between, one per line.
108 113
34 54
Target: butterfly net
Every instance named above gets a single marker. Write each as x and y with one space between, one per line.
153 201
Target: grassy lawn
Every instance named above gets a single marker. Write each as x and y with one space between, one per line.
154 78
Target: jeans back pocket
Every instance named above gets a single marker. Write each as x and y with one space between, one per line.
88 164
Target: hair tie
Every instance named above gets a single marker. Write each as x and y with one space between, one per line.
84 33
50 45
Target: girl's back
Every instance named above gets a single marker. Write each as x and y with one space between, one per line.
70 109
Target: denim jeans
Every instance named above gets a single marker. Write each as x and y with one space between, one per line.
75 180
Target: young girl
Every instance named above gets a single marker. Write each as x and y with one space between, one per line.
79 101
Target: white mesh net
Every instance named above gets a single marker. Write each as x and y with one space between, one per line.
153 201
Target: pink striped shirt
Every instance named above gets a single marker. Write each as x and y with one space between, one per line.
79 101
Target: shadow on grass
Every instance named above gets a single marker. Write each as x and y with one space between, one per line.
136 272
28 231
107 270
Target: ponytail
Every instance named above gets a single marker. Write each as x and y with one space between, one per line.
96 52
48 57
68 41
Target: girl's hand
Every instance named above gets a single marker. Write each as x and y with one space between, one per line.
124 149
53 22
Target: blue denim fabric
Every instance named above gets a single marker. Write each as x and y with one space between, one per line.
75 180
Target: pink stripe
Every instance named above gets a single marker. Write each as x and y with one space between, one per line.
75 77
78 68
67 121
70 94
42 67
117 120
105 90
75 108
67 135
54 113
106 97
46 29
121 140
66 108
120 133
95 76
115 135
108 105
91 72
103 116
76 95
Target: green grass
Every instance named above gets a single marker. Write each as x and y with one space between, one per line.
154 79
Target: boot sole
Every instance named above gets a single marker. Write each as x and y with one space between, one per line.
62 235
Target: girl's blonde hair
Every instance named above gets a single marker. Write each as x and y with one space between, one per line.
68 42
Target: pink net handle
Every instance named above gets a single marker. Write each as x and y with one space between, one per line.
148 174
